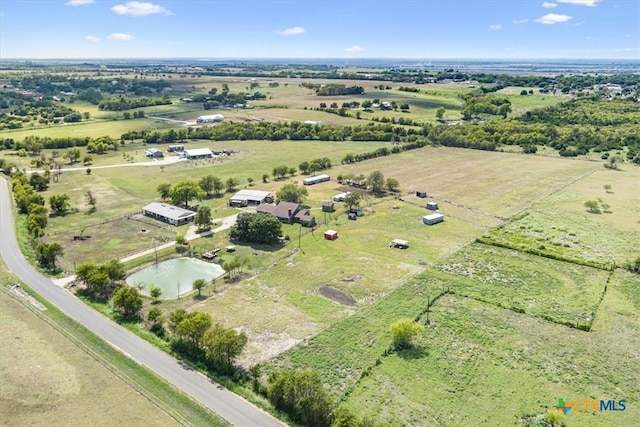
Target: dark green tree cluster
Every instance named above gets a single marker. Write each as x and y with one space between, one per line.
29 203
339 89
47 253
301 394
197 337
256 228
315 165
292 193
100 281
477 103
383 151
123 103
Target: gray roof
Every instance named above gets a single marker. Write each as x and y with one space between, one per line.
198 152
152 150
251 195
168 211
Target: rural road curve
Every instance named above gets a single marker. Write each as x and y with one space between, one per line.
211 395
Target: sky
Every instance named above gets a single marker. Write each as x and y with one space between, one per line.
421 29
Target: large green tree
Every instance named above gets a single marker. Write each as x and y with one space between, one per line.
376 182
292 193
352 200
59 203
302 395
256 228
127 301
164 190
185 191
47 254
203 218
207 183
223 345
193 327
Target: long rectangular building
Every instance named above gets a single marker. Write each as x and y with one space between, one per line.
168 213
250 197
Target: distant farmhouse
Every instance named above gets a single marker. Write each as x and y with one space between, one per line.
168 213
250 197
289 213
198 153
214 118
175 148
153 153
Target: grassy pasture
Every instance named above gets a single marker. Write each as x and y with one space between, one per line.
561 226
94 129
501 184
476 364
560 291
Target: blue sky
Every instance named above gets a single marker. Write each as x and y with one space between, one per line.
425 29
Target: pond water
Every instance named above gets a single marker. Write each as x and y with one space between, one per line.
176 276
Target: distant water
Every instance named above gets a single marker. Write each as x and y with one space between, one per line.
176 276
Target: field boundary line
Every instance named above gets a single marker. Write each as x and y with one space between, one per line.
557 190
100 359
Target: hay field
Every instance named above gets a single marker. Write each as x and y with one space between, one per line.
47 379
502 184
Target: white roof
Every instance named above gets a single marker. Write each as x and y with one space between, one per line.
152 150
400 242
211 117
168 211
198 152
250 195
433 216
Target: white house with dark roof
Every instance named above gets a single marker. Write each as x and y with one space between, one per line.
168 213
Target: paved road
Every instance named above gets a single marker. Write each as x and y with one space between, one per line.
228 405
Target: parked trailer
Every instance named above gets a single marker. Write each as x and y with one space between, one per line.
316 179
433 218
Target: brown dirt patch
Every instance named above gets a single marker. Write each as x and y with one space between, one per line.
337 295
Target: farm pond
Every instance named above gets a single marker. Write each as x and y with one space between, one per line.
174 277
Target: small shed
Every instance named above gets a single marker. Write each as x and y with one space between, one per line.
432 206
153 153
399 243
421 194
331 235
328 206
433 218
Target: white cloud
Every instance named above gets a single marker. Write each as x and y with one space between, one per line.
136 8
553 18
590 3
520 21
549 5
78 2
354 49
92 39
627 36
628 49
293 31
495 27
120 37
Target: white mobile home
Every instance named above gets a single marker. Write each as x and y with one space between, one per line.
213 118
433 218
316 179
